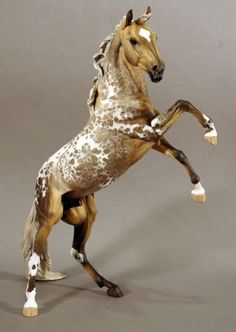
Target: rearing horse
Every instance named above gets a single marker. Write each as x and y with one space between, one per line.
122 127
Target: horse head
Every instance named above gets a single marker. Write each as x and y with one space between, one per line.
139 43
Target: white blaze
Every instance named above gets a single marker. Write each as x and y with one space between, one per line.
145 34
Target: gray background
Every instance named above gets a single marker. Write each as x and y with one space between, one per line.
174 259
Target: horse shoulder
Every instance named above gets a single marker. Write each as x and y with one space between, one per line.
138 148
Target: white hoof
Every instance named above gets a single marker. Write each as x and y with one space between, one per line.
198 193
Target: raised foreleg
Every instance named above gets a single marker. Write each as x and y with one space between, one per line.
163 121
82 218
163 146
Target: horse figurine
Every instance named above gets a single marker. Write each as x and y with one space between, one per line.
122 127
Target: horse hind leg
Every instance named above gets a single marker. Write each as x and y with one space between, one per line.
44 272
48 214
82 218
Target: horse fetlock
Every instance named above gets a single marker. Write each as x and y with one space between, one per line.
184 104
30 307
31 303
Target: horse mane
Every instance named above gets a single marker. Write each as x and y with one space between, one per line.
99 64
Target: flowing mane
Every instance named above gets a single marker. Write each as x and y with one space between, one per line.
99 64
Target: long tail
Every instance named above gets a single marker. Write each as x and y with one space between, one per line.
28 238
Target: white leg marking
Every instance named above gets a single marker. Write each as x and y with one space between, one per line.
212 132
77 255
198 193
198 189
30 303
156 122
33 264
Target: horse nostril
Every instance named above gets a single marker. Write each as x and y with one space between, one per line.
161 72
155 68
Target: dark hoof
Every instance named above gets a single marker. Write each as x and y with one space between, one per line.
115 292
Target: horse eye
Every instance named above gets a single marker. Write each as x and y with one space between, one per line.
133 41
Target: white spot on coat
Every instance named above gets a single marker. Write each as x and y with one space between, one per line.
33 264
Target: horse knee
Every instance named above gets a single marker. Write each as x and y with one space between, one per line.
183 104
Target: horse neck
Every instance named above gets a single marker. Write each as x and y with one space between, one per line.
121 81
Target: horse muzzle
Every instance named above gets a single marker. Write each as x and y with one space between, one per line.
156 74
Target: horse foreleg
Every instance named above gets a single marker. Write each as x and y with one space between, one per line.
82 218
163 146
162 122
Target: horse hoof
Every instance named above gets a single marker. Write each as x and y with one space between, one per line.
50 276
30 312
211 135
211 139
115 292
198 193
199 198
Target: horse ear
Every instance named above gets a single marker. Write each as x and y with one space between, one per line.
145 16
127 20
149 11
